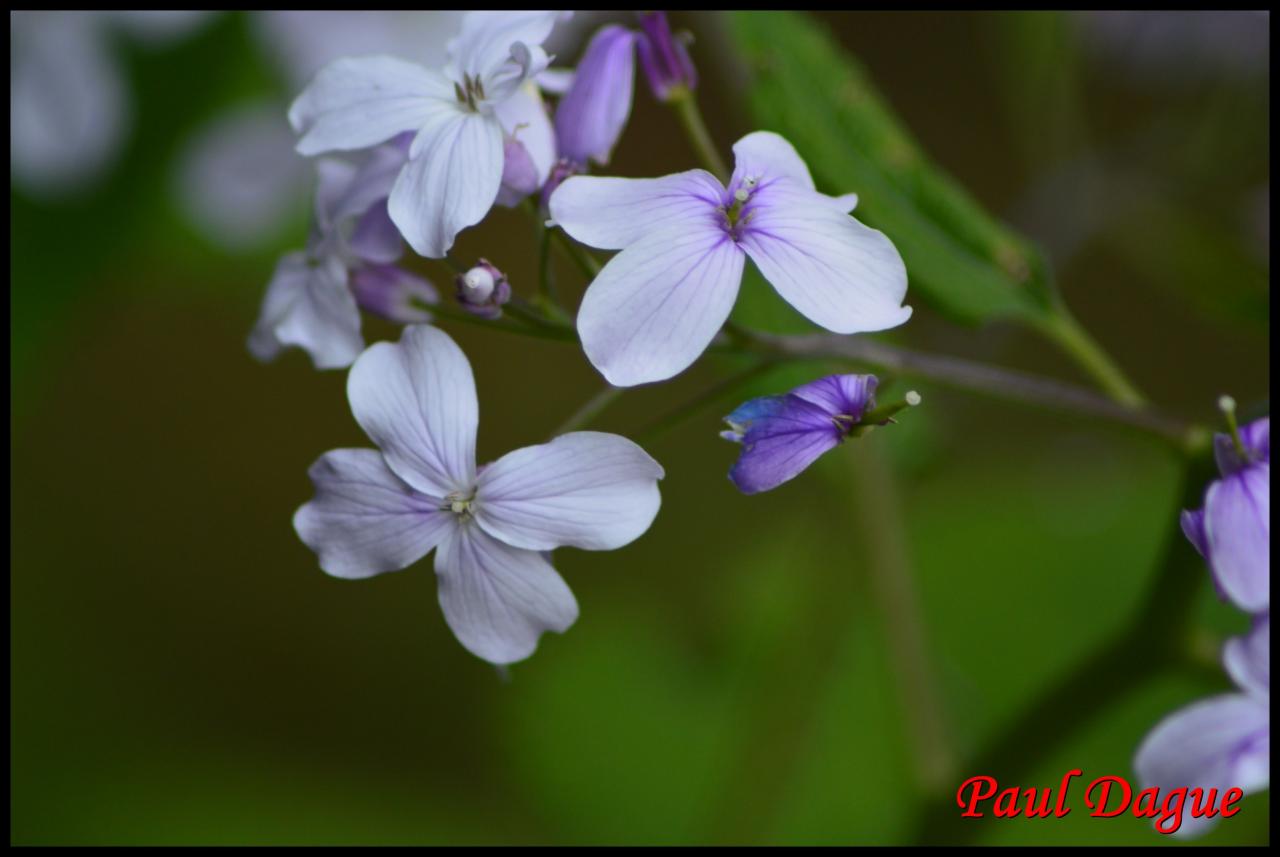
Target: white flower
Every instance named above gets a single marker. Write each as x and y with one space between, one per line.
377 511
461 119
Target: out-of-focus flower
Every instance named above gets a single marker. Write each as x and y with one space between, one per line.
314 298
382 510
483 290
782 435
1218 743
1233 530
656 306
456 160
69 106
664 58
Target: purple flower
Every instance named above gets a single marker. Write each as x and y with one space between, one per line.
383 510
591 115
461 119
782 435
684 238
313 300
483 290
1222 742
664 58
1233 530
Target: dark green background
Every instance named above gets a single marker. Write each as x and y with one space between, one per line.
183 672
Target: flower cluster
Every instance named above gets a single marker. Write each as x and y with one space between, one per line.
1225 741
416 155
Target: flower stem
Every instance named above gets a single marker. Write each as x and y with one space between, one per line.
1064 330
707 397
686 106
590 409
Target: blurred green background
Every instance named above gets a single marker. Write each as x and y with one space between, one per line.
182 672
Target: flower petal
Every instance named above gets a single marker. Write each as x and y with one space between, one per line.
524 119
357 102
311 307
585 489
837 272
498 599
1255 437
450 182
1248 659
765 157
658 304
484 44
1237 524
393 293
416 399
590 117
781 436
850 395
364 520
1192 521
375 238
1221 742
612 213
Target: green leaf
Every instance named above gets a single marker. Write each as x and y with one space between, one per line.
960 260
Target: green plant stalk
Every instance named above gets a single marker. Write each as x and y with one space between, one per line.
590 409
685 104
1063 328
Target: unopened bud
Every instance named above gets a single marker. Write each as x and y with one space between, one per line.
483 290
664 58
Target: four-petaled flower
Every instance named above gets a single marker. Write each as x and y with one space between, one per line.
684 239
1233 530
466 122
382 510
314 298
782 435
1222 742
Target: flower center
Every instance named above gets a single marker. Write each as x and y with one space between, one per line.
469 92
462 505
734 213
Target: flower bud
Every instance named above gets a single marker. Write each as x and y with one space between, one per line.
591 115
483 290
663 57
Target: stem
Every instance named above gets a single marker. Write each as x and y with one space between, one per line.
1063 329
553 332
686 107
980 378
590 409
1111 674
893 589
588 264
712 394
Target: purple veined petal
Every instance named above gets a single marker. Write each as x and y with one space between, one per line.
450 182
782 436
357 102
519 174
524 118
484 45
764 156
497 599
1221 742
372 180
656 306
310 306
1237 525
1192 521
841 394
585 489
613 213
1255 437
364 520
555 80
390 293
375 238
1248 659
845 202
416 399
838 273
592 114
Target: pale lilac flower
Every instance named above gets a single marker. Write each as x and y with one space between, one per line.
383 510
460 119
1233 530
1222 742
656 306
782 435
69 107
483 290
664 58
314 298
